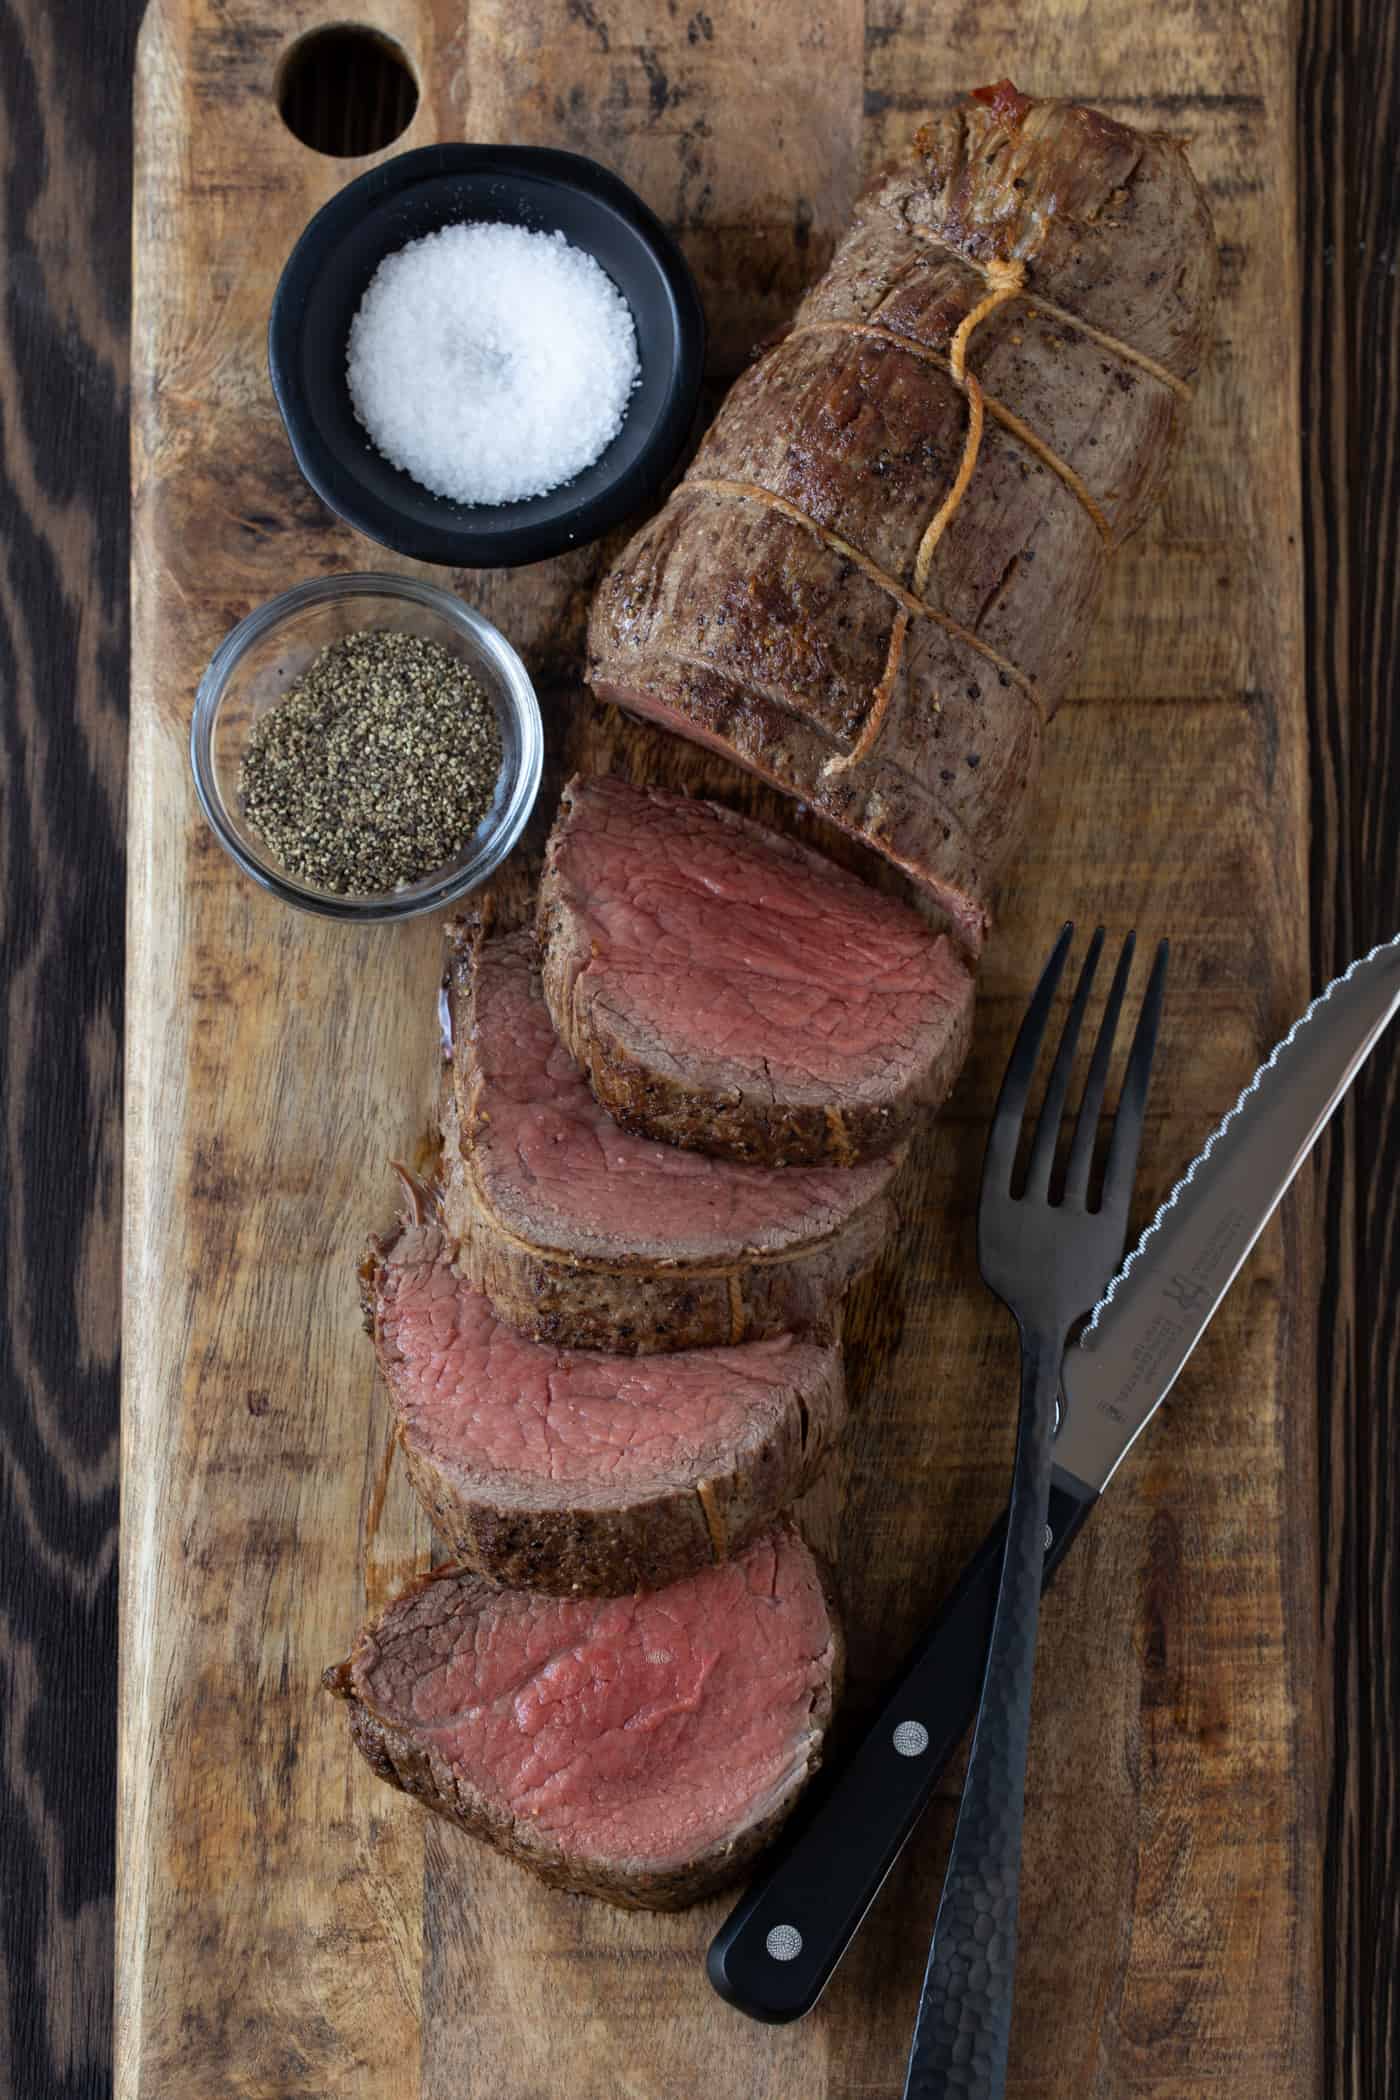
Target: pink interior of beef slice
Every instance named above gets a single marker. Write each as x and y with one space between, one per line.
748 959
638 1729
554 1167
568 1428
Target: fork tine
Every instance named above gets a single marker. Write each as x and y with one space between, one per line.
1081 1156
1047 1130
1011 1101
1132 1101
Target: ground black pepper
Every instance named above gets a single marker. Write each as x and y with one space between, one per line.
377 766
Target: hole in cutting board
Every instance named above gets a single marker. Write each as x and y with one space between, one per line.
346 91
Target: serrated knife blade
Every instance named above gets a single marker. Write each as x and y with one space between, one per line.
1157 1307
773 1955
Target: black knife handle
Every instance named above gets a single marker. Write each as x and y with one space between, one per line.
774 1954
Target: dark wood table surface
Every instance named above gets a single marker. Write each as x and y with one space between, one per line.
65 136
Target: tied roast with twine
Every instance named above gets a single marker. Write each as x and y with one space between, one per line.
1004 280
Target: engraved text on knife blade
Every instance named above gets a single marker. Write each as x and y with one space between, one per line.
1183 1296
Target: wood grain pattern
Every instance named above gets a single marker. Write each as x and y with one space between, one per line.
1350 124
63 348
63 209
286 1927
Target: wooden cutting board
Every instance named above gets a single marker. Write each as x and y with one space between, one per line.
289 1927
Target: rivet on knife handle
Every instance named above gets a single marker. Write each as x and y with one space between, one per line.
775 1953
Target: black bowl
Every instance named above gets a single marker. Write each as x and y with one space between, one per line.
416 193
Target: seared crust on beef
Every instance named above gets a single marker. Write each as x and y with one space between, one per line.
729 620
405 1761
552 1283
725 1109
647 1310
527 1532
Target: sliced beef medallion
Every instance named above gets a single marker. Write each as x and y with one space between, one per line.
574 1471
874 583
728 990
638 1748
581 1234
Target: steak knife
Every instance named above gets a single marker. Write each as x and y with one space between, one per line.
777 1949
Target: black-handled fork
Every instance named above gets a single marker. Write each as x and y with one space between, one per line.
1049 1263
777 1950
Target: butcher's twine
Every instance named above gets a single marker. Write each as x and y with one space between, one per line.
873 332
1005 281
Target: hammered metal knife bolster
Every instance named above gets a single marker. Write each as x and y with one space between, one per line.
776 1951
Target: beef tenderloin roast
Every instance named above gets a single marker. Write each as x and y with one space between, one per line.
729 990
827 598
582 1234
638 1748
577 1472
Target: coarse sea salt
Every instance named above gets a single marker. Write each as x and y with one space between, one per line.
492 363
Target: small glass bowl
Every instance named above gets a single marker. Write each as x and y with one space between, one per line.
253 668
